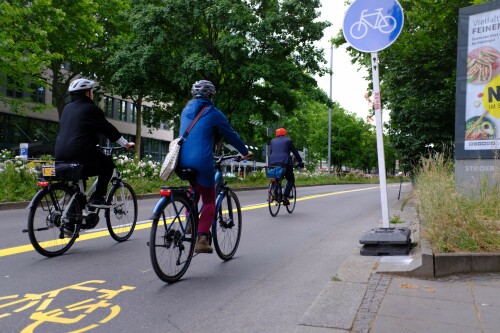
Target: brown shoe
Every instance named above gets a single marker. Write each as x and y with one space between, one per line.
202 245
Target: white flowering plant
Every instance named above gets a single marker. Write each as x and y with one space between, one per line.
146 168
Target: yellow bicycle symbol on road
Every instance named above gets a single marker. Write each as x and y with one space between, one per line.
73 314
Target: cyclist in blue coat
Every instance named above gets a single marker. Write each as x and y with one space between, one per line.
280 149
196 152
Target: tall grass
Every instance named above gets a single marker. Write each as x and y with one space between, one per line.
456 222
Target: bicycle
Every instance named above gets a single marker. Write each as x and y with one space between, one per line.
275 195
175 221
58 211
384 23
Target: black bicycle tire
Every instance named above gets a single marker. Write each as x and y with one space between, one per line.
291 207
218 239
273 202
107 212
37 200
160 272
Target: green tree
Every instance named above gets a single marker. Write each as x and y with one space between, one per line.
51 42
257 53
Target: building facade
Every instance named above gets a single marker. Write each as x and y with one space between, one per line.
40 128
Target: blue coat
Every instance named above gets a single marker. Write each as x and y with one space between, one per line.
196 152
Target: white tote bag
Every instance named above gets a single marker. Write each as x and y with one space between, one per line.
170 162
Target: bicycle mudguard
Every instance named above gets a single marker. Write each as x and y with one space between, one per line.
160 205
43 190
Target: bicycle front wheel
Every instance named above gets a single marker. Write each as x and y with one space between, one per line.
293 200
50 233
273 194
121 217
170 245
226 229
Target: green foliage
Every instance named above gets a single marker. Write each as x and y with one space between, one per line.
18 182
41 38
256 53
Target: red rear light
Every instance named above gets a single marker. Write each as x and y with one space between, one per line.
43 183
165 192
273 180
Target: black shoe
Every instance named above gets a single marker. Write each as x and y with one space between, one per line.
97 203
286 202
68 229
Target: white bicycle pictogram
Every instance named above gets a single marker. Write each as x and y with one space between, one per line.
385 24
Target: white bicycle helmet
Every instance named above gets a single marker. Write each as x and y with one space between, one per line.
81 85
202 88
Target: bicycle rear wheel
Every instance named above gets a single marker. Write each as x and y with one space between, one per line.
49 232
293 200
170 247
226 229
273 196
121 217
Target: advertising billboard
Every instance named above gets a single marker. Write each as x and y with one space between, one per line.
477 123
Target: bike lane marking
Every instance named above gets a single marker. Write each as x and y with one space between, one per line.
146 224
43 312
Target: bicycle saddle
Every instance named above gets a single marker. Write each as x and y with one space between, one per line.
68 171
187 174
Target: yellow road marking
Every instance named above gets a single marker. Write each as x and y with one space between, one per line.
104 233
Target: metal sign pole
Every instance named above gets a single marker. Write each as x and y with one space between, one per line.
380 140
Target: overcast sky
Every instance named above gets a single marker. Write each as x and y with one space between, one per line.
348 85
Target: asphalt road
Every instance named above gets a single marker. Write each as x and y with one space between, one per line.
99 285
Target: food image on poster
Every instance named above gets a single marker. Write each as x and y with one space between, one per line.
479 128
482 64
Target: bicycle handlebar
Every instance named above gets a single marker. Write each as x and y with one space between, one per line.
108 151
220 159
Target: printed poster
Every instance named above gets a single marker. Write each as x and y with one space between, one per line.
482 105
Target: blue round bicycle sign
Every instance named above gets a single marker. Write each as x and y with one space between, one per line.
373 25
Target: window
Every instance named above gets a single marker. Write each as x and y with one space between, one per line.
133 113
13 90
109 106
38 95
122 110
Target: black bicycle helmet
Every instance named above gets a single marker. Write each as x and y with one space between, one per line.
202 88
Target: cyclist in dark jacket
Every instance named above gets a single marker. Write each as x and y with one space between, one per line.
80 125
280 150
196 152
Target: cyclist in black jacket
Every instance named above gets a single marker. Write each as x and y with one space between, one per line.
280 150
80 125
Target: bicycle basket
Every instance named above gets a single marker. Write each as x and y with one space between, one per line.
274 173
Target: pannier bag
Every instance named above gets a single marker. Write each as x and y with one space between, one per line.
275 173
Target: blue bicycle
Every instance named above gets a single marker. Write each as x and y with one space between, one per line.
175 221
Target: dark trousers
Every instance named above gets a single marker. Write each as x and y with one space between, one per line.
102 166
290 180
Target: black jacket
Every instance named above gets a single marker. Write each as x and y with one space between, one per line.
280 150
80 125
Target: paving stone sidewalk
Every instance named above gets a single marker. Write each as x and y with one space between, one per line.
370 296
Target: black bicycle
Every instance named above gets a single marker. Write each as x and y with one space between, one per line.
275 195
175 222
59 210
